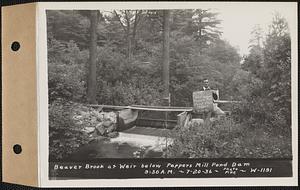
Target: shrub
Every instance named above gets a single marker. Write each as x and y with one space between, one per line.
66 71
135 91
227 139
203 140
64 135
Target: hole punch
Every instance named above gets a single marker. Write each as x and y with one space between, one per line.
15 46
17 149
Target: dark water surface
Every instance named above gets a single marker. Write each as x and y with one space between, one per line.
106 149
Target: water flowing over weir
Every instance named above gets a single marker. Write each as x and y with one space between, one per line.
143 131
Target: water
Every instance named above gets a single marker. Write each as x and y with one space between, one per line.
106 149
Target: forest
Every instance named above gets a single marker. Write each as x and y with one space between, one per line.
119 57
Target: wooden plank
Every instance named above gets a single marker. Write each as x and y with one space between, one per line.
161 107
145 108
227 102
170 109
158 108
158 120
108 106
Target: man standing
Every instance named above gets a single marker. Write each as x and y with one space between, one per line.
206 85
216 110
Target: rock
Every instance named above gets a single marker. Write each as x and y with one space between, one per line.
95 122
196 122
94 134
107 123
101 129
113 134
112 116
111 128
89 129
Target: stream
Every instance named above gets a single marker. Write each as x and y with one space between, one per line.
105 149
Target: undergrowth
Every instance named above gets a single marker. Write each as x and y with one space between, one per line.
227 139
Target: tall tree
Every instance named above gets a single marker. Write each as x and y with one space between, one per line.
256 37
92 69
206 26
129 20
166 52
254 61
277 66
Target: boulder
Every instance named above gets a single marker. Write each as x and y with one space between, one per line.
196 121
112 116
89 129
101 129
107 123
113 134
111 128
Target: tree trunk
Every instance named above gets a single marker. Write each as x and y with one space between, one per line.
129 47
166 52
128 36
92 82
135 24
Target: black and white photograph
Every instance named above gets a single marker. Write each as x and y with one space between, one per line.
204 83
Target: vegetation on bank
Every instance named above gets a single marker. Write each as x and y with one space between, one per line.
227 139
